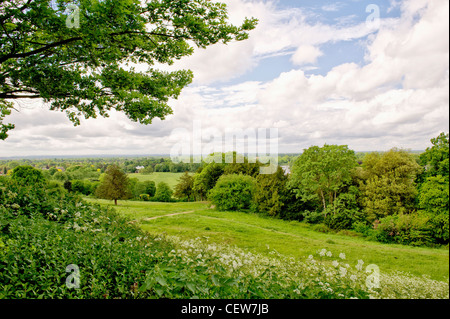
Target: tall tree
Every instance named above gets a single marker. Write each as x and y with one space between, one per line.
185 187
436 158
114 185
387 185
163 192
79 55
206 179
270 190
322 172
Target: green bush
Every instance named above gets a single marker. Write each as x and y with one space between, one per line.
144 197
313 217
28 176
163 192
364 228
233 192
407 229
434 195
343 218
269 193
439 227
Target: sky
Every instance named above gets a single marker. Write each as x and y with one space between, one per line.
372 75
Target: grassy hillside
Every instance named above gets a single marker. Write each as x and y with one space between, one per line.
264 235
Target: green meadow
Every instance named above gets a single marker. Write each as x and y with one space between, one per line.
171 179
264 235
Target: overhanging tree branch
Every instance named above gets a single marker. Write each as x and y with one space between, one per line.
70 40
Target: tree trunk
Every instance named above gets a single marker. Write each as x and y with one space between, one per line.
115 201
323 200
334 203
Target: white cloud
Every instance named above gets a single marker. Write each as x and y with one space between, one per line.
333 7
306 54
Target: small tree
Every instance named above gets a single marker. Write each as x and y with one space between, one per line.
185 188
207 178
149 188
163 192
114 185
322 173
269 191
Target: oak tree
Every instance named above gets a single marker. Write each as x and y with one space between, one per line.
114 185
80 56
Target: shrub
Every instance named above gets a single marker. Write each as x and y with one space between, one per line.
434 195
363 228
233 192
146 187
295 208
55 188
269 193
439 227
144 197
163 192
341 219
407 229
28 176
313 217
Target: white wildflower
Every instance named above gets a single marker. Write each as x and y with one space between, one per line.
342 255
360 264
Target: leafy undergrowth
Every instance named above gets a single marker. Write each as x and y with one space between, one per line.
42 234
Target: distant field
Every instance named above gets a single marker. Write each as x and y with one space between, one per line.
171 179
262 235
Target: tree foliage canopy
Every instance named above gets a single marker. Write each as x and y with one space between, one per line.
86 68
387 184
28 176
114 185
436 158
233 192
185 187
270 192
322 172
163 192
